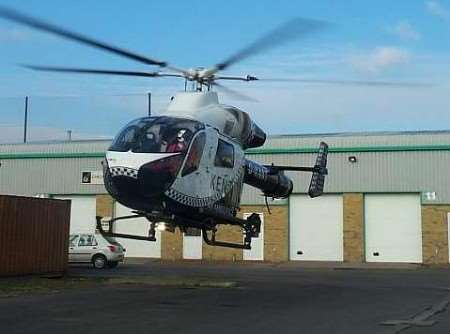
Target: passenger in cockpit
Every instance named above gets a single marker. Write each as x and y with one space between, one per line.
179 144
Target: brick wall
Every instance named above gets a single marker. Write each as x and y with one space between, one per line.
435 234
224 233
276 237
276 229
104 206
172 245
353 227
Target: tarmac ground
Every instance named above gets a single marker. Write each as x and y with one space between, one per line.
204 297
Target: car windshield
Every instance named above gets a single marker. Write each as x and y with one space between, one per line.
111 240
156 135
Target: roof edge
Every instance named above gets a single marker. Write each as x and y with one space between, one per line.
257 151
360 149
361 133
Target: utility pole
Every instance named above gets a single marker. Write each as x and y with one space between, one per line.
25 124
149 104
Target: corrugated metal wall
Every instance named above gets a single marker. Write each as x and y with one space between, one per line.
75 146
363 139
34 235
420 170
373 172
48 176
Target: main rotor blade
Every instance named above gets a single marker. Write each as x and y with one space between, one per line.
234 93
38 24
95 71
348 82
290 30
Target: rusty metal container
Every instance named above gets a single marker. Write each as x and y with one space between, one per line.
34 235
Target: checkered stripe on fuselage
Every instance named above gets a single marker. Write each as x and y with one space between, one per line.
124 171
189 200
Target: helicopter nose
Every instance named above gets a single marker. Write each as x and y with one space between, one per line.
156 177
150 180
120 185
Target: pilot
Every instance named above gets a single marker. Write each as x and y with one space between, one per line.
150 143
179 145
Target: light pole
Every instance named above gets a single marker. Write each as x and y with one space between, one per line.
149 104
25 123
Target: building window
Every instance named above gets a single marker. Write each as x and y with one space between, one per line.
224 155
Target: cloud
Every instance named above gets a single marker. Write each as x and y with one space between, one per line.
405 31
380 58
435 8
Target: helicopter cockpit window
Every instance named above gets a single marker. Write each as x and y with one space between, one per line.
224 155
195 154
126 139
156 135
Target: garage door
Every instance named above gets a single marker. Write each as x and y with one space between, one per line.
192 244
136 226
257 251
315 228
82 213
393 228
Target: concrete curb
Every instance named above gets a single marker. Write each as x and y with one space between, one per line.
290 264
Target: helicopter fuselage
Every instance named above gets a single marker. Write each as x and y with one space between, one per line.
195 173
182 165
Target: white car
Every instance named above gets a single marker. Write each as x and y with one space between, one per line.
96 249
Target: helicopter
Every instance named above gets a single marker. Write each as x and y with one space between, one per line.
186 167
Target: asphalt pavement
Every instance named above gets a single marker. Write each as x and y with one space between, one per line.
265 298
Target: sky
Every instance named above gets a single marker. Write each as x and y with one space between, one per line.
399 41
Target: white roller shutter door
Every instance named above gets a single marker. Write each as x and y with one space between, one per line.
82 213
193 245
315 228
136 226
393 228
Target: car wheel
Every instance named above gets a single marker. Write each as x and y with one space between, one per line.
99 261
112 264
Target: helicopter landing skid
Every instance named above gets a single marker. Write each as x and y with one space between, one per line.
109 232
251 228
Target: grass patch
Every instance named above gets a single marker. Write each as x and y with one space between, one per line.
10 287
174 282
18 286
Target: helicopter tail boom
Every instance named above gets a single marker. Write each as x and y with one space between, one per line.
274 183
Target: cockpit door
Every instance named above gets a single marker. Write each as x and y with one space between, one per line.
192 186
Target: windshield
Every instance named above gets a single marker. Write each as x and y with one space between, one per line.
156 135
111 240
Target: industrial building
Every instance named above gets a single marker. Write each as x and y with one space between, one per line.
387 198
